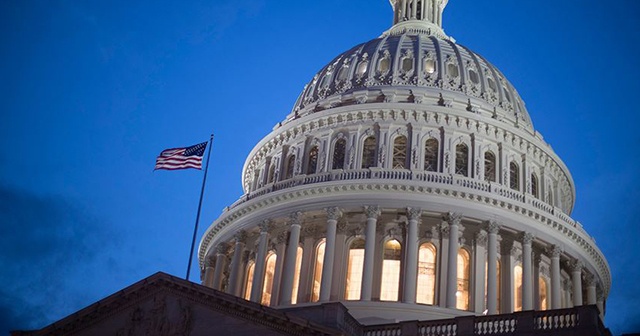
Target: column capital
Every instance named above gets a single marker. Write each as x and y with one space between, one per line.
209 261
295 218
222 248
414 213
453 218
526 238
372 211
555 251
282 237
599 294
333 213
444 229
575 265
266 225
481 238
566 284
590 279
342 227
493 226
240 237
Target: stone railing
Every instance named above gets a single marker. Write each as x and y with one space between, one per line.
582 320
430 178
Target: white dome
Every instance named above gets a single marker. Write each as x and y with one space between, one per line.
409 67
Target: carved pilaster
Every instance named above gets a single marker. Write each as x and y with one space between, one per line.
481 238
372 211
566 284
414 213
333 213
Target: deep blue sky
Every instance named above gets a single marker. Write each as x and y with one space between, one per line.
91 91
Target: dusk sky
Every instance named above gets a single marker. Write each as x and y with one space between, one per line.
92 91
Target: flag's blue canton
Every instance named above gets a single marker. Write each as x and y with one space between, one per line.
197 150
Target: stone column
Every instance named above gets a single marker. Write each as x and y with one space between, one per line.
339 263
280 246
441 267
288 273
411 267
492 267
333 214
576 277
453 219
221 260
527 272
507 261
566 287
590 281
307 267
536 281
600 302
372 212
556 299
208 271
479 265
261 255
236 263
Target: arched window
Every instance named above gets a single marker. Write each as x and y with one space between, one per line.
429 66
407 64
489 167
431 155
312 161
296 276
249 280
473 76
272 173
317 271
291 162
517 288
462 294
325 80
426 286
362 67
369 152
390 282
534 186
384 65
269 273
399 152
339 150
452 70
355 265
542 285
344 72
514 176
462 159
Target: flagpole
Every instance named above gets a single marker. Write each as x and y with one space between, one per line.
195 229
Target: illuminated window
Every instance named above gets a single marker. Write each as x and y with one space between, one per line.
296 276
369 152
462 294
462 160
426 286
249 281
355 266
390 282
542 284
291 162
517 288
429 66
317 271
431 155
514 176
339 154
452 70
534 185
489 167
344 72
399 152
269 273
312 163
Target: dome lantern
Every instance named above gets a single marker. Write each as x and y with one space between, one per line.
418 16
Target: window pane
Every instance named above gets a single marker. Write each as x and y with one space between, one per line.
517 288
534 185
426 287
543 293
338 154
462 160
312 164
249 282
429 66
514 176
317 271
452 69
399 152
489 167
355 266
290 165
269 273
390 282
369 152
296 276
431 155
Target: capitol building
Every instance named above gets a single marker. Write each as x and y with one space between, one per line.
407 192
408 183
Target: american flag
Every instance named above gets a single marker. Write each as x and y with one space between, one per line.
181 158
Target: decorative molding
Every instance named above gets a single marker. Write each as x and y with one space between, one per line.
372 211
333 213
414 213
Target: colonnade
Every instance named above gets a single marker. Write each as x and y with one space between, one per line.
488 243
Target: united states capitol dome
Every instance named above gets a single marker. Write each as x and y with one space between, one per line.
406 183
